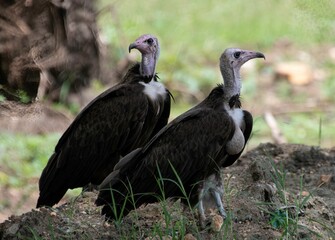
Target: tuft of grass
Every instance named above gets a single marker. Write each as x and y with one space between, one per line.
310 128
286 218
311 131
36 236
118 216
23 96
228 224
173 226
175 222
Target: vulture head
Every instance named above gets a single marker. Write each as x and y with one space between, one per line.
231 61
148 46
234 58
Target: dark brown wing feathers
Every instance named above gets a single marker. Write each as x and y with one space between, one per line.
192 144
116 122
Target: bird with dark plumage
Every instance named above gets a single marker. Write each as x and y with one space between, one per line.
194 146
116 122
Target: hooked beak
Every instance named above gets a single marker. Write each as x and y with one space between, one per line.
248 55
251 55
259 55
132 46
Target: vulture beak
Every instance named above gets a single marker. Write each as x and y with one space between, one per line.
250 55
247 55
132 46
259 55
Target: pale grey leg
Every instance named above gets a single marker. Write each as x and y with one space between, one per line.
210 194
218 200
201 209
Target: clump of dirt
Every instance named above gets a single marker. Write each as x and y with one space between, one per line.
265 183
31 118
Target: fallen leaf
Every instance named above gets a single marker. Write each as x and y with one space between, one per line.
297 73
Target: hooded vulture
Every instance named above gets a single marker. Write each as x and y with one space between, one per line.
176 162
116 122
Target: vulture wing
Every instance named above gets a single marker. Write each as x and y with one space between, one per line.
191 144
112 125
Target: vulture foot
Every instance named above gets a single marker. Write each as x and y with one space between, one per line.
90 188
210 193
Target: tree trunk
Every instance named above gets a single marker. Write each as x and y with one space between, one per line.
47 48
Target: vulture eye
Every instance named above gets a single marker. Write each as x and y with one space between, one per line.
237 54
150 41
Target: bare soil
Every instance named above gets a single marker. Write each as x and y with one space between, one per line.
252 191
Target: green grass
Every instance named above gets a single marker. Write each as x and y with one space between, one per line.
285 214
299 128
22 157
195 33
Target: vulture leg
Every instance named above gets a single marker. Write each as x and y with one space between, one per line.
210 193
201 210
90 188
217 194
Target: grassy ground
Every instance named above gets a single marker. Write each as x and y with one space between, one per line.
197 30
274 192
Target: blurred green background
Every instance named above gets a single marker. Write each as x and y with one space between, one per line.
192 35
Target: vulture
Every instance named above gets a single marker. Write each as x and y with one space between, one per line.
193 147
116 122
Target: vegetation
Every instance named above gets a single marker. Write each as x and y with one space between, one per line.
195 36
286 218
22 157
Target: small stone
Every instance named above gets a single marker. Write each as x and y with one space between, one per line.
106 224
217 222
53 214
189 236
89 195
12 230
304 193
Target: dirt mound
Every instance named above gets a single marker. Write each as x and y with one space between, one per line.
31 118
272 191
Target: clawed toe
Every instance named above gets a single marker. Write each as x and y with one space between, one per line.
204 222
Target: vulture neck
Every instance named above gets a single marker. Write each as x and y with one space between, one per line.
232 82
148 65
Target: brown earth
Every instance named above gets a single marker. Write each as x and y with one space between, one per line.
254 196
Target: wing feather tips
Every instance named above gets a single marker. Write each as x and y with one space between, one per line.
113 178
53 183
111 199
47 196
50 198
126 159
